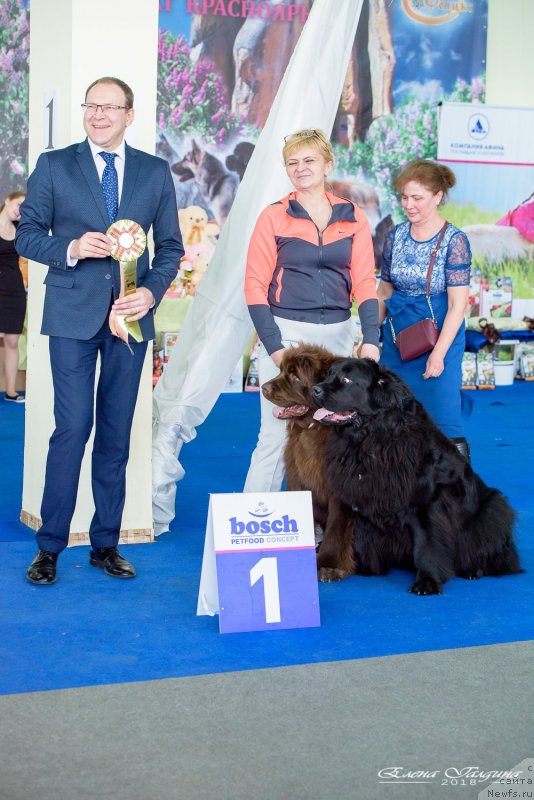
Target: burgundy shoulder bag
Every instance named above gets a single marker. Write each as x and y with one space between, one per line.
420 338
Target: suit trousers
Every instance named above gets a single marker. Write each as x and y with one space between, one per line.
73 363
266 471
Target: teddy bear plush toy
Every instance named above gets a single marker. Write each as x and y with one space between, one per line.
195 227
199 236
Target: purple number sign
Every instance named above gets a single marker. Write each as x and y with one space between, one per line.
265 590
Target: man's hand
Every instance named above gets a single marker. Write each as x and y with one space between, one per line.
134 306
91 245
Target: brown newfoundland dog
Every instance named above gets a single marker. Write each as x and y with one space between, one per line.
417 503
302 367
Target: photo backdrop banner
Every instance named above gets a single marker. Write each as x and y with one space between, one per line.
221 63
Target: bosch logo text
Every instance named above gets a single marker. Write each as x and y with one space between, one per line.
255 528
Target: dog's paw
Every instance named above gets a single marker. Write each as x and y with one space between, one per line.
331 574
425 585
471 575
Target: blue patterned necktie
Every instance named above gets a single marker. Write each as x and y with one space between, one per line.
110 185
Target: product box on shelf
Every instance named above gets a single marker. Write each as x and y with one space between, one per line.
485 370
496 300
526 362
469 371
169 340
252 381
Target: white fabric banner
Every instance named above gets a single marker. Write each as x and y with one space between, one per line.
472 132
217 326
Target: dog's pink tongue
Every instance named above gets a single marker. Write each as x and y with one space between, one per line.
321 413
277 412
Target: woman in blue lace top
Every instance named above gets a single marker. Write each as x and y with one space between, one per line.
435 378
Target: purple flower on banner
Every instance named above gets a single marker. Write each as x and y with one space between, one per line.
14 55
192 97
16 168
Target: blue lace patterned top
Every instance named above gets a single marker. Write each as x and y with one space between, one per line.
405 261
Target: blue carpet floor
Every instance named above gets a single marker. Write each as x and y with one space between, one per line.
89 629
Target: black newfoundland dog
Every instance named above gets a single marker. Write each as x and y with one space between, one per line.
418 505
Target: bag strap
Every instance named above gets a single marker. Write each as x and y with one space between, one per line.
433 255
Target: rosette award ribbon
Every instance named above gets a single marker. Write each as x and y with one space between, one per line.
128 242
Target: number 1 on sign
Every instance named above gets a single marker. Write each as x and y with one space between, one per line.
267 568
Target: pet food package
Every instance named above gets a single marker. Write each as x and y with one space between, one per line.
496 299
169 340
252 381
235 381
469 371
526 362
485 370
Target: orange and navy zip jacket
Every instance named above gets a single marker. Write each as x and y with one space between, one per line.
295 272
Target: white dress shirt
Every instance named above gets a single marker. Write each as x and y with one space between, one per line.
100 165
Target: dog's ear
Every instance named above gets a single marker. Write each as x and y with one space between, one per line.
233 164
388 391
195 151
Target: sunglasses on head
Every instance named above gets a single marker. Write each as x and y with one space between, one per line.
301 134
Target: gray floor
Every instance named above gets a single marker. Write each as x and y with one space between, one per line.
317 731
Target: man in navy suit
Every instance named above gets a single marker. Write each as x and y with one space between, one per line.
66 196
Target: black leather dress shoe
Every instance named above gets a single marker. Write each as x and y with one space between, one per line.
43 568
111 561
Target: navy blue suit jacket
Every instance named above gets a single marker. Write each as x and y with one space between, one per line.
64 196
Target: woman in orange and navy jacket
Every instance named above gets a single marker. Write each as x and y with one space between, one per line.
310 255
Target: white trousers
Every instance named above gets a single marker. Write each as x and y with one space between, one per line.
266 471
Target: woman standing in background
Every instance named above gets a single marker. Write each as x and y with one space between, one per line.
435 377
12 293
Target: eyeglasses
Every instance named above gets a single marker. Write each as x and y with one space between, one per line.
92 108
304 134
